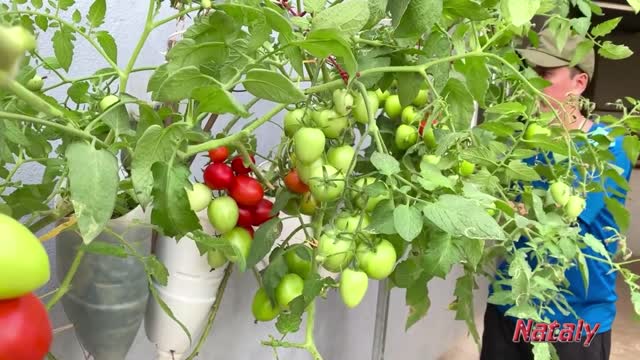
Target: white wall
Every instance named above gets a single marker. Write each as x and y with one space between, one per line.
341 334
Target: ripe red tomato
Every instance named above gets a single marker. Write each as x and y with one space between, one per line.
245 217
246 191
262 211
294 183
237 164
218 176
219 154
25 333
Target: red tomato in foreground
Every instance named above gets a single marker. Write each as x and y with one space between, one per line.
218 176
246 191
294 183
25 330
261 214
245 217
219 154
237 164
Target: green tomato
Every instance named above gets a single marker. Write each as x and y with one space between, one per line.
353 287
305 170
216 258
296 264
293 121
289 288
535 129
330 122
359 194
360 108
349 222
309 144
24 263
206 4
382 96
431 159
574 207
240 239
223 214
14 41
336 252
409 115
108 101
429 137
466 168
406 136
342 101
340 157
262 308
329 188
392 107
199 197
560 192
308 204
379 262
35 84
421 99
292 207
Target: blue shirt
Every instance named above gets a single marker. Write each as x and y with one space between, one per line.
597 305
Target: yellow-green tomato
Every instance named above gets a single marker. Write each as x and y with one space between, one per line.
326 183
336 251
431 159
560 192
340 157
262 308
331 123
429 137
360 196
378 262
24 263
353 287
35 84
382 96
240 239
409 115
199 197
308 204
223 214
296 264
14 41
421 98
289 288
216 258
535 129
305 170
466 168
406 136
392 107
349 222
342 101
574 207
360 109
309 144
108 101
293 121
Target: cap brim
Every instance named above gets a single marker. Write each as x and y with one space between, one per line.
538 58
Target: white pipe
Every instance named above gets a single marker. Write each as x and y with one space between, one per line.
612 6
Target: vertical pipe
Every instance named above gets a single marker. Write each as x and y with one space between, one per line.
382 317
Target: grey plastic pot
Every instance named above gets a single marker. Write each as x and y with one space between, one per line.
108 294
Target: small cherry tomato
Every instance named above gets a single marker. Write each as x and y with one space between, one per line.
262 212
245 216
219 154
237 164
294 183
246 191
218 176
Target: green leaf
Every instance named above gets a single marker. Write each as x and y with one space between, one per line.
520 273
108 44
584 269
165 307
419 18
78 92
294 54
440 255
460 103
406 273
324 42
155 145
385 163
635 4
14 134
156 269
65 4
612 51
272 86
606 27
463 217
581 25
273 274
348 17
93 183
397 9
408 222
289 322
466 9
631 146
189 53
635 299
619 212
117 119
263 240
314 6
464 303
471 249
171 209
63 47
36 3
206 242
179 85
437 46
97 12
26 199
417 299
541 351
409 85
368 62
382 219
520 12
377 12
517 170
42 22
216 100
583 48
477 77
76 17
431 178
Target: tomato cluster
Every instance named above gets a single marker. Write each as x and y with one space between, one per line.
25 330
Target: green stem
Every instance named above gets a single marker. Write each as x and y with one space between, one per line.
247 159
176 16
211 144
30 98
95 76
236 118
67 129
148 27
95 121
65 286
310 344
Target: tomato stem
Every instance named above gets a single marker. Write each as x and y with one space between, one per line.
259 174
29 97
65 286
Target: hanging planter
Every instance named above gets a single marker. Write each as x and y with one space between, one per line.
108 294
190 293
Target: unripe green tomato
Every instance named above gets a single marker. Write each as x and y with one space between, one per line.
429 137
305 170
535 129
421 99
340 157
392 107
206 4
466 168
332 123
360 108
491 212
329 188
199 197
289 288
409 115
336 252
35 84
342 101
223 214
216 258
359 194
574 207
14 41
308 204
309 144
560 192
378 262
431 159
406 136
348 223
108 101
296 264
239 238
262 308
382 96
353 287
293 121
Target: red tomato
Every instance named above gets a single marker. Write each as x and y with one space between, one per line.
218 176
246 191
423 123
261 214
294 183
219 154
246 217
237 164
25 333
249 228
